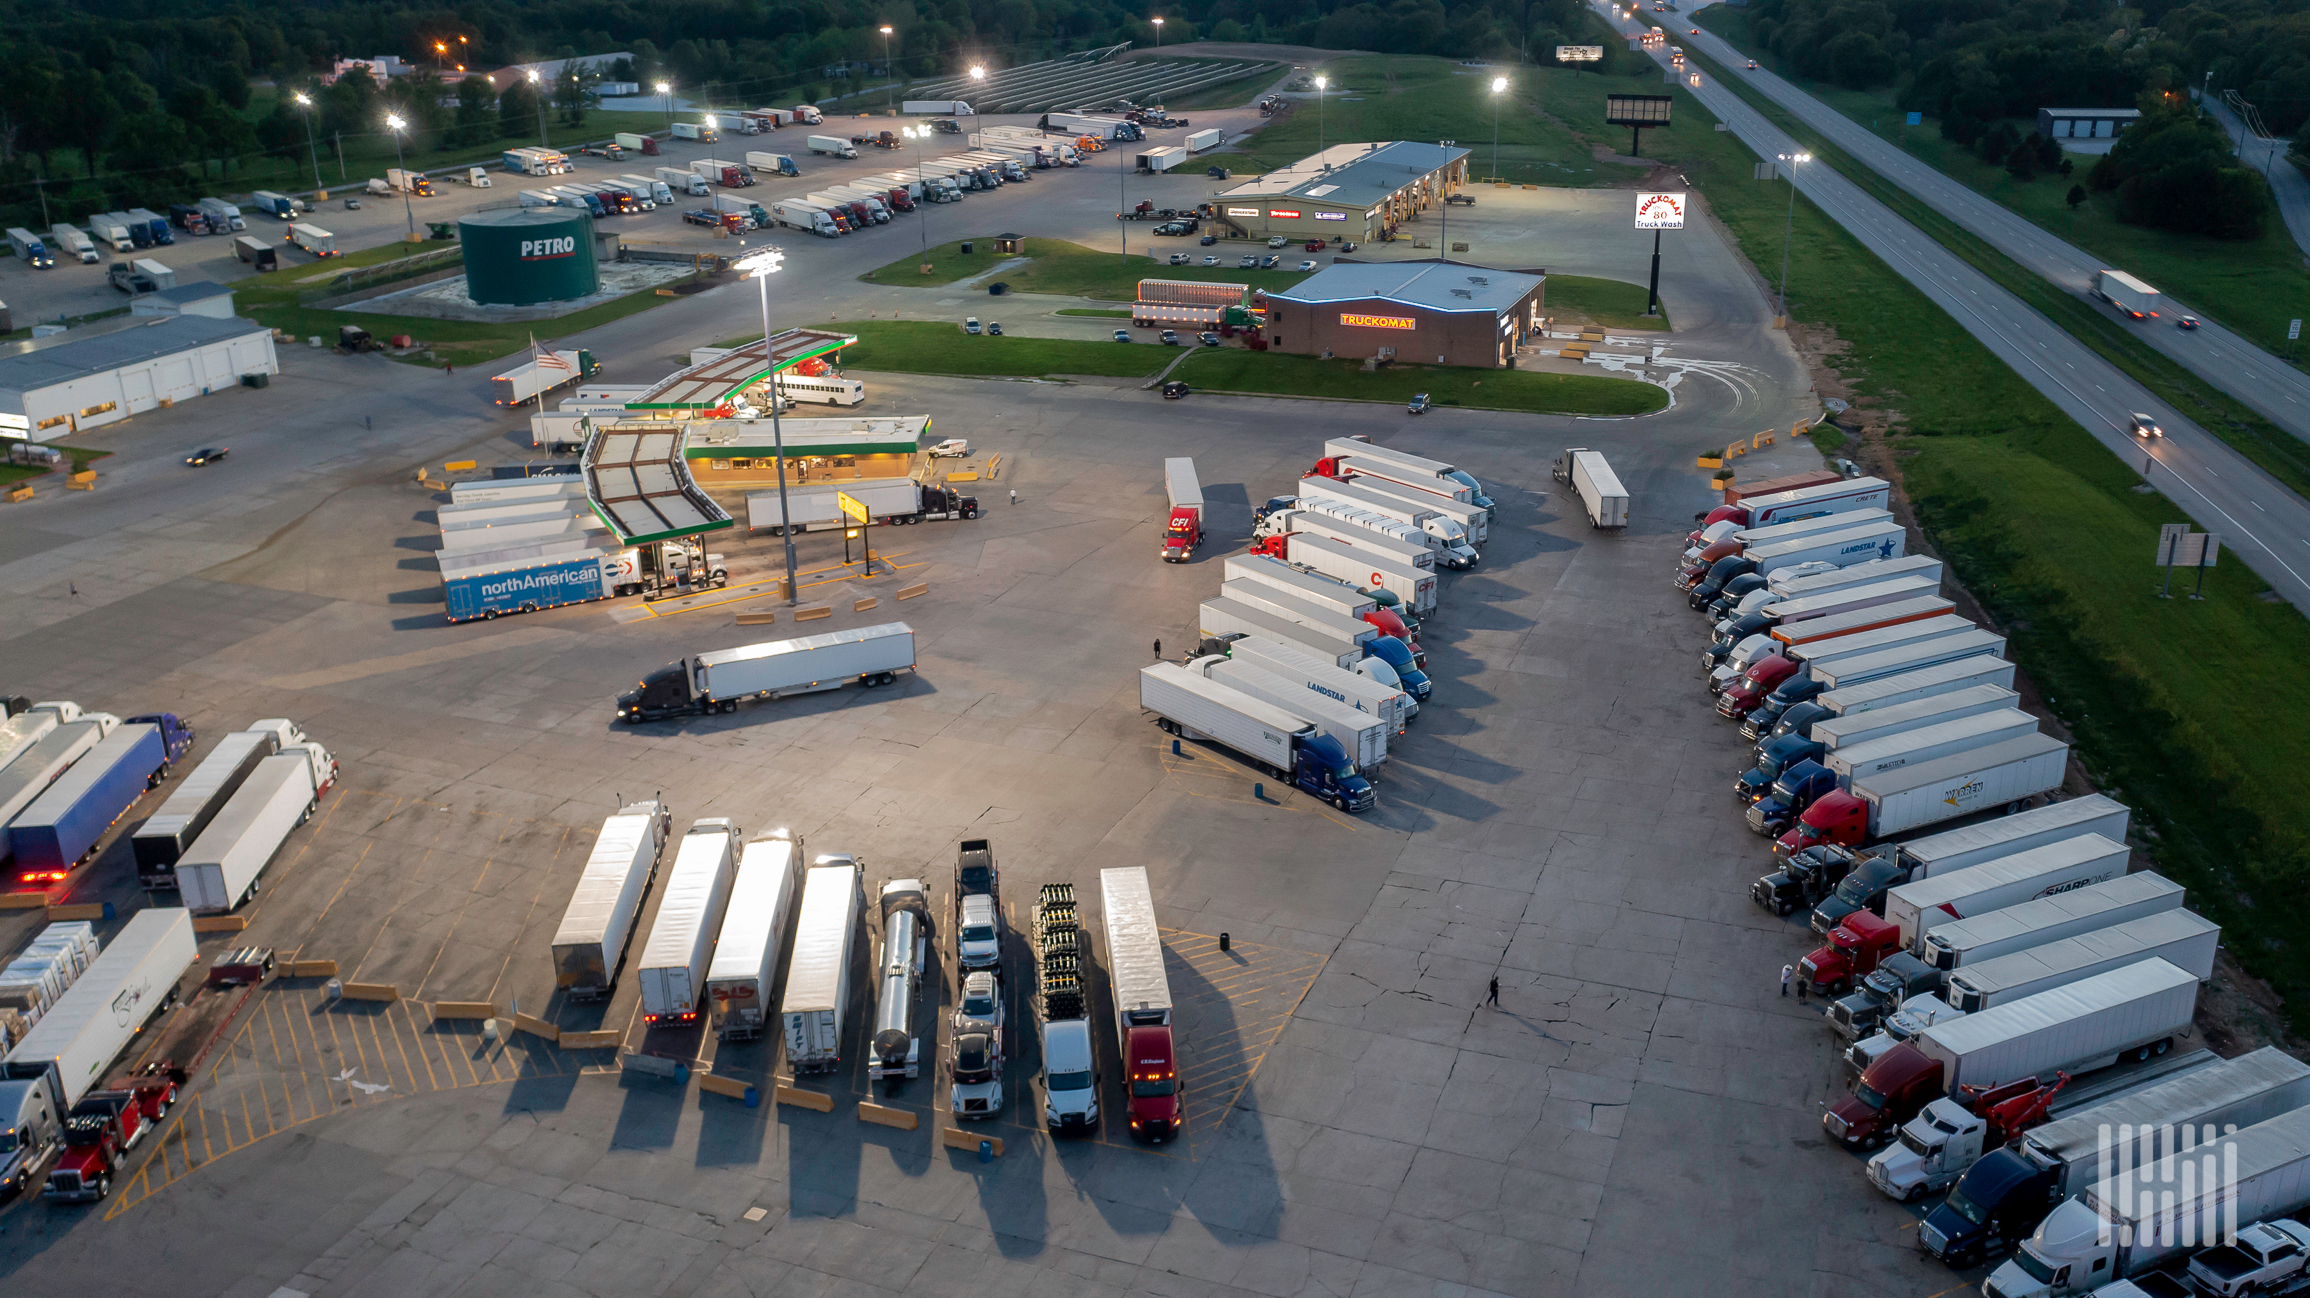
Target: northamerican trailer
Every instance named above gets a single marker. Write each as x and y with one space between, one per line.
2179 937
818 976
162 839
221 868
66 822
674 961
80 1036
591 942
753 937
525 585
1959 942
719 681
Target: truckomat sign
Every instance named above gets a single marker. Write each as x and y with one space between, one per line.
1354 321
548 249
1660 211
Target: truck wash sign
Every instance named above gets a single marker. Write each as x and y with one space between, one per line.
1354 321
1660 211
548 249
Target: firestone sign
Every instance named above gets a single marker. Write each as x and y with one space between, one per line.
1354 321
1660 211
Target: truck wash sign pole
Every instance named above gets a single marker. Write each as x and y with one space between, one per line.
857 512
1658 212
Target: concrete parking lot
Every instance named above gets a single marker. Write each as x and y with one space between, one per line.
1637 1117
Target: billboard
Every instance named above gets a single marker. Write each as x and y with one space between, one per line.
1660 211
1579 53
1637 110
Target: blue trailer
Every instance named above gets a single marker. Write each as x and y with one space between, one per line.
527 585
176 738
64 824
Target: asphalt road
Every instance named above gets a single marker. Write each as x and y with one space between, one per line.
2276 389
2259 520
2268 156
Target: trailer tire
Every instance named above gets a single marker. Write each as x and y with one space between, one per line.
103 1187
2164 1044
489 615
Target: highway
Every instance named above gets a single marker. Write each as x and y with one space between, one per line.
2259 520
2277 390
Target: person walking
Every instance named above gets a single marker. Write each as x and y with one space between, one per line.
1159 651
1014 495
1803 984
1788 971
448 367
1492 994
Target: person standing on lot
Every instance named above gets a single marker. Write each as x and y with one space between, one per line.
1788 971
1492 994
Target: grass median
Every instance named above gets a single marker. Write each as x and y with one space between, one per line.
1613 303
1067 269
1235 369
925 347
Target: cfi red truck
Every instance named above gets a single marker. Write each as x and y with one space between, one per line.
1184 530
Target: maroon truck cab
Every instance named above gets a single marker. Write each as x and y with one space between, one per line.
1763 676
1158 1101
1690 575
1838 818
96 1133
1853 951
1892 1090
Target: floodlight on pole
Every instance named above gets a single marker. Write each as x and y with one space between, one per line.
1788 230
918 134
1499 89
1158 32
666 88
537 92
978 78
312 150
1320 83
890 90
394 124
759 267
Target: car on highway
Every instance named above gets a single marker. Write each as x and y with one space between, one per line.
954 447
1174 390
1279 240
1122 335
1208 339
1307 265
1170 338
2187 322
207 455
1209 239
1418 405
1752 65
1247 262
2145 427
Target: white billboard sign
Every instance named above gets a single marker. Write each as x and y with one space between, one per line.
1660 211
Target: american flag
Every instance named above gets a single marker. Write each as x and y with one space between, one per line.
547 360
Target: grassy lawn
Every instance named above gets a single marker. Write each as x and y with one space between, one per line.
2253 286
315 274
1615 304
1236 369
922 347
1546 125
2283 455
2169 700
459 342
16 335
79 457
1068 269
1226 94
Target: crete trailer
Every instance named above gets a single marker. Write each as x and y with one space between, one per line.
1142 1004
2003 1196
65 823
1957 943
590 944
221 868
1190 706
753 937
2011 775
2176 936
719 681
73 1046
2091 1024
818 977
673 972
2042 871
2147 1215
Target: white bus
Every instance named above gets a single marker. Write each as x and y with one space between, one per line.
825 389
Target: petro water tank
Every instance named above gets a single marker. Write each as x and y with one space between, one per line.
520 256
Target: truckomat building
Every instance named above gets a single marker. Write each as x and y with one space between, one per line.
1429 312
80 383
1349 191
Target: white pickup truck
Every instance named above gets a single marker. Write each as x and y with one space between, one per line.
2268 1256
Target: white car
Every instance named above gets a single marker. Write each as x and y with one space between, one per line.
980 1008
955 447
1307 265
978 943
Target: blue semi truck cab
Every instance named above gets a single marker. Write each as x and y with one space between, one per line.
1795 789
1773 757
1322 768
1398 655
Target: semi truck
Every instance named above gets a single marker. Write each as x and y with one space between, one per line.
773 164
1857 668
2129 295
1735 541
1292 607
532 379
1142 994
30 247
809 218
1063 1013
753 936
633 143
705 132
673 971
1359 689
524 578
1183 528
2041 871
1327 512
596 927
723 172
2153 1212
895 1051
62 827
1361 735
1220 617
1916 683
1362 456
818 976
682 180
1778 753
77 1041
1592 479
1413 588
222 215
1802 502
936 107
1324 592
222 867
2176 936
312 240
162 839
722 679
2011 775
661 193
1444 533
1943 738
1193 707
279 206
2136 1011
2003 1196
1955 944
831 145
1956 849
70 242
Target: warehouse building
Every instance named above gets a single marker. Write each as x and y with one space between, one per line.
1423 312
2085 130
73 384
1349 191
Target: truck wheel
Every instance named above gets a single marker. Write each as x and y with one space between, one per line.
2164 1044
103 1186
489 615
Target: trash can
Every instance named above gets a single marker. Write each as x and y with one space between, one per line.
966 248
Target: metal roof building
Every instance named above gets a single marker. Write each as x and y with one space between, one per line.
1432 312
57 387
639 484
711 384
1348 191
198 298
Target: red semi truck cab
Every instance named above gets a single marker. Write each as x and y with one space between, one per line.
1888 1094
1390 623
1837 817
1762 677
97 1132
1183 534
1158 1101
1853 951
1691 573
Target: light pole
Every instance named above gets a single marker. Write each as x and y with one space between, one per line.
1159 35
666 88
916 134
1320 83
312 150
890 96
537 92
394 124
759 267
1789 229
1499 88
978 78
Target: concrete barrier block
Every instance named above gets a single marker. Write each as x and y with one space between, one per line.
464 1010
802 1099
754 618
959 1138
460 466
810 611
909 592
385 992
860 606
536 1027
85 480
23 900
607 1039
88 910
219 923
903 1119
655 1066
965 476
730 1086
312 969
1710 461
22 491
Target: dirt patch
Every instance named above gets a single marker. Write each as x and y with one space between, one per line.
2238 1013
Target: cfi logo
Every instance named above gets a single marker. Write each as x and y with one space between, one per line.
544 249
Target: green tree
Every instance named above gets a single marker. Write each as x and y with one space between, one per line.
472 124
517 111
569 98
2076 196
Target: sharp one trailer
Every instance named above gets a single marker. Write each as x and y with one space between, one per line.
65 823
77 1040
721 680
1957 943
753 937
221 868
591 942
673 972
2180 938
2058 866
818 976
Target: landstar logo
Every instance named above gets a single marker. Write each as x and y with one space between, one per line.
547 249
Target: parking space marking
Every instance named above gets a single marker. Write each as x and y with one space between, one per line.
1229 1007
307 1056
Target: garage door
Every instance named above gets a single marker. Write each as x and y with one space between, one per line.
136 390
172 377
